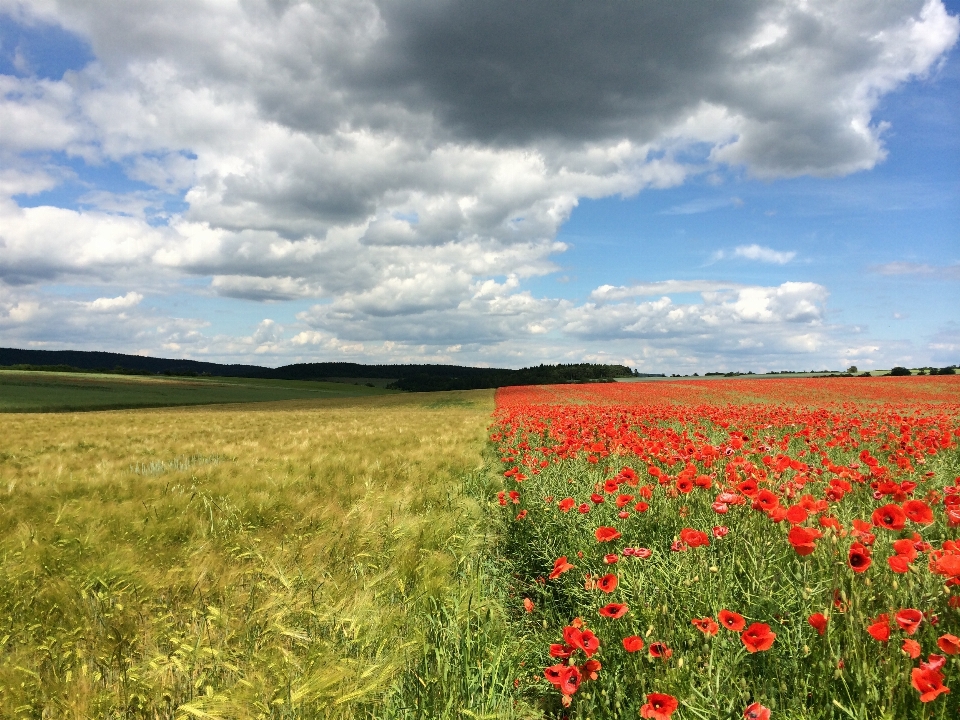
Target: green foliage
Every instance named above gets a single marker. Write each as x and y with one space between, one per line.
414 378
429 378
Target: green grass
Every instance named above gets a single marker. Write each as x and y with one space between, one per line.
61 392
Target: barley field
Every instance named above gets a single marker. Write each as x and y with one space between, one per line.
278 560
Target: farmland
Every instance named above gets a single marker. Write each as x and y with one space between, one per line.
296 559
732 549
62 391
684 549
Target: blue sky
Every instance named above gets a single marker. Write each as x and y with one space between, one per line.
257 185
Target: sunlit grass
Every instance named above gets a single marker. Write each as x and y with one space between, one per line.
325 559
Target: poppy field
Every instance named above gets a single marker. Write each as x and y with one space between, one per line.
755 549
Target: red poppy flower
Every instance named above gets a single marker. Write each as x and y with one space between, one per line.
777 514
590 668
641 507
819 622
581 639
906 549
950 644
766 500
911 648
589 642
890 517
566 505
606 534
613 610
909 619
528 605
611 558
758 637
804 540
560 566
880 629
583 508
623 500
756 711
561 650
633 643
861 531
748 488
928 681
570 680
607 583
611 486
705 625
859 557
660 650
731 620
659 706
596 498
828 521
554 673
720 531
948 565
898 563
918 511
694 538
861 526
796 515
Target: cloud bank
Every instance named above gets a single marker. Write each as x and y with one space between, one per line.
407 167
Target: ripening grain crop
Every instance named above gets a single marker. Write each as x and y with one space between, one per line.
284 561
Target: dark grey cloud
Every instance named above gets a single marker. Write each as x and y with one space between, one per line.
516 73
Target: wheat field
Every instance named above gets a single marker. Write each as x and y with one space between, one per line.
287 560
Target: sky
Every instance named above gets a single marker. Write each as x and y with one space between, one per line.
678 187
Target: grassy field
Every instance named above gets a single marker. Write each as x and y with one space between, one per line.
60 392
300 559
427 556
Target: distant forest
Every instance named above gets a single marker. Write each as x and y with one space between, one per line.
412 378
